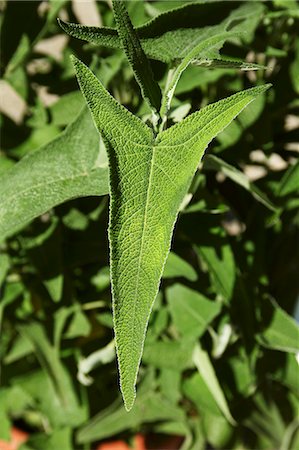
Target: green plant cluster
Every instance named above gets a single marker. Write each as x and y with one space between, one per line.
219 361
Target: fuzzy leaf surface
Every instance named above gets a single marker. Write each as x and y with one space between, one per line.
50 176
136 56
172 44
149 178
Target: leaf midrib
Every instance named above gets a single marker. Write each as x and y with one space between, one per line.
146 209
43 184
142 244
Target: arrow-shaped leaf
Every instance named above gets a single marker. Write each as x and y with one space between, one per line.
149 177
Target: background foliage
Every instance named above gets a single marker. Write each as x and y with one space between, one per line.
230 286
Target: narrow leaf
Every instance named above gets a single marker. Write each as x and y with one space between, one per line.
70 411
282 333
212 162
290 181
50 176
149 178
171 36
223 63
204 366
191 312
136 56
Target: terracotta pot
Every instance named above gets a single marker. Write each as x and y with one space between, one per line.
138 444
18 437
148 442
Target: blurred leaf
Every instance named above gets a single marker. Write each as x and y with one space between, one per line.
57 439
149 407
203 364
65 110
223 63
282 332
45 251
177 267
170 384
17 58
4 267
294 68
170 355
191 312
49 176
21 347
197 391
221 266
290 181
11 292
218 432
5 428
79 326
70 412
212 162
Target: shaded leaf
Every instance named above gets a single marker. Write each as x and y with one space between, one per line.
282 333
212 162
51 176
64 394
177 267
141 67
191 312
290 181
149 407
166 44
204 366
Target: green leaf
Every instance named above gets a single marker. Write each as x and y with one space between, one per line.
141 67
223 63
143 170
170 355
150 407
294 68
209 43
220 265
191 312
212 162
51 176
79 326
282 333
58 438
167 41
70 412
290 181
197 391
4 267
177 267
205 368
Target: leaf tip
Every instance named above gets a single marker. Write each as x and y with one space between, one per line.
129 399
128 391
61 23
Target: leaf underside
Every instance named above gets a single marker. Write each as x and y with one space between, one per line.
149 177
